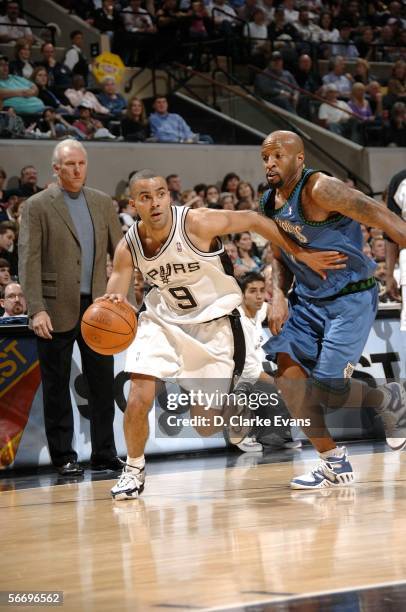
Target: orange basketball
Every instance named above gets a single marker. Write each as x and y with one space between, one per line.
109 327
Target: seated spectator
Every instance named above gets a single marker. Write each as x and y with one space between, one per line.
134 124
328 33
334 118
8 233
232 253
28 183
223 14
395 129
106 18
365 43
246 197
170 127
17 92
211 195
396 84
362 72
136 19
246 258
378 248
199 22
48 97
375 98
89 125
385 45
345 45
78 95
200 190
127 214
55 126
13 301
309 80
59 75
111 99
3 179
230 184
21 65
12 26
359 104
175 187
268 8
307 31
5 276
336 76
75 59
227 201
256 32
269 86
280 28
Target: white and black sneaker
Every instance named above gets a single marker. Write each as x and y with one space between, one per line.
130 484
393 415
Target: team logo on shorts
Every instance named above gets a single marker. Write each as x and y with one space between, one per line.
179 247
348 370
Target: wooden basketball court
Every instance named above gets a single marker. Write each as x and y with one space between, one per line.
213 539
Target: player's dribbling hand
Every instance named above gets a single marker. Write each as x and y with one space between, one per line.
41 325
319 261
113 297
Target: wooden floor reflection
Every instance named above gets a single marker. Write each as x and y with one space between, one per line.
220 538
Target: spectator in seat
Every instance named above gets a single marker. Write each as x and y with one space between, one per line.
48 97
5 276
134 124
21 65
111 99
256 32
13 301
89 125
334 118
171 127
78 95
375 98
106 18
280 28
246 197
127 214
230 183
309 80
396 84
269 86
307 31
365 43
75 58
136 19
246 258
268 6
175 188
336 76
13 27
291 14
3 179
395 129
378 248
359 104
8 234
54 124
211 195
345 45
227 201
59 75
17 92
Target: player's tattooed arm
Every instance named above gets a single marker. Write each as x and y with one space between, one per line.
333 195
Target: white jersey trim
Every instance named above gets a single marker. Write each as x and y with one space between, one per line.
190 243
167 241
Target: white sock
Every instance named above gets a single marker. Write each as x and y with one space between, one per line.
135 462
338 451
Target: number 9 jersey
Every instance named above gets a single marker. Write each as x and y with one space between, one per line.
189 286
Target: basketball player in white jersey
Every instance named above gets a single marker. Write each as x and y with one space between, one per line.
187 329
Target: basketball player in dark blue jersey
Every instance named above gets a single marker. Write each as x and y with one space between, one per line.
320 334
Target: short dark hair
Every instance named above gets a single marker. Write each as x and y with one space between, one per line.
250 277
3 173
141 175
75 33
4 263
200 187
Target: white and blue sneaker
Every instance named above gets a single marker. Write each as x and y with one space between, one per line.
330 472
250 445
393 415
130 484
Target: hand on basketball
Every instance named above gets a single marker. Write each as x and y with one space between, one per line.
319 261
278 315
42 326
113 297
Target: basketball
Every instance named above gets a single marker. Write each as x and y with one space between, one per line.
109 327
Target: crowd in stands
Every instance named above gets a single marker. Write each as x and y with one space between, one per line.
282 40
247 252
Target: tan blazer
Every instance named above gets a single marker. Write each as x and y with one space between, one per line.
50 253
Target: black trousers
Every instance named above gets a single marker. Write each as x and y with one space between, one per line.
55 358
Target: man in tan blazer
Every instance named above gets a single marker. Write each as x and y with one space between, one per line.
66 232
